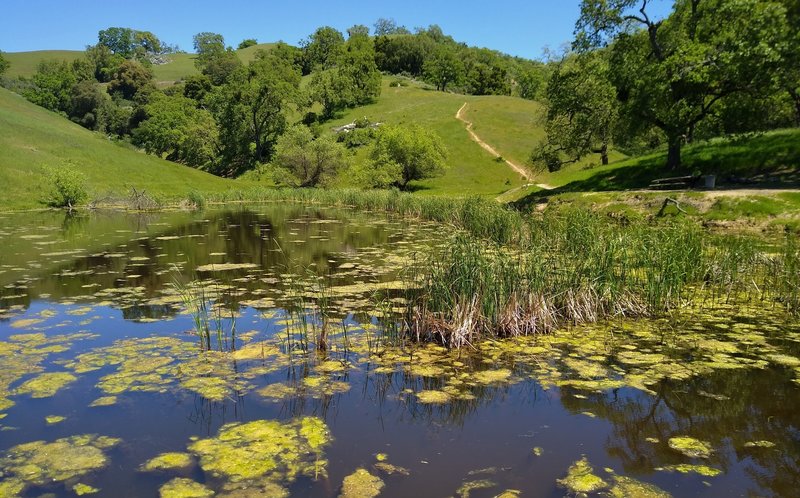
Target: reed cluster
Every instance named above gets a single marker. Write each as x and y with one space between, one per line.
581 267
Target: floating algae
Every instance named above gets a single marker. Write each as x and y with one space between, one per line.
361 484
499 375
23 354
626 487
104 401
759 444
580 478
285 450
81 489
54 419
691 447
46 384
168 461
388 468
469 486
181 487
433 397
213 267
685 468
40 463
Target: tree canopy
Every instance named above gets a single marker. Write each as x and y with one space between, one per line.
672 73
582 112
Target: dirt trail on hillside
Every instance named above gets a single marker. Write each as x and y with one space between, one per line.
488 148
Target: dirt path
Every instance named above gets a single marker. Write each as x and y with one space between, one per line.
488 148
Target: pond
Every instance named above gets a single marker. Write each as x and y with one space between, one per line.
107 390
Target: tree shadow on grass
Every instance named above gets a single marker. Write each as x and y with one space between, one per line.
765 161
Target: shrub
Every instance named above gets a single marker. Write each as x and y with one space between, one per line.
67 188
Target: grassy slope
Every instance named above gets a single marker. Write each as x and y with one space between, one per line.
180 65
472 170
33 139
24 63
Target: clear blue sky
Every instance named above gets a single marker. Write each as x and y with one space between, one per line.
517 27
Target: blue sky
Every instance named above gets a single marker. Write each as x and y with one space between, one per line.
517 27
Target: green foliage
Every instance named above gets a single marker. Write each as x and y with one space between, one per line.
303 161
581 112
178 131
247 43
444 68
250 110
196 87
130 78
406 153
214 59
384 27
67 187
52 85
485 73
672 74
90 105
104 60
130 43
354 81
322 49
4 64
404 54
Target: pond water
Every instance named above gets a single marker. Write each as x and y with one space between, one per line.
106 388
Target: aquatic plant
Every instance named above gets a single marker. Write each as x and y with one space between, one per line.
361 484
41 463
581 479
208 320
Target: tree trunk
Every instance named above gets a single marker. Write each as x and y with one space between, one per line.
674 152
604 154
796 98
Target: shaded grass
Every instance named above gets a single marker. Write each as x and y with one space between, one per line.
769 158
34 140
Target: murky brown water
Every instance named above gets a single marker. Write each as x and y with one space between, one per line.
104 386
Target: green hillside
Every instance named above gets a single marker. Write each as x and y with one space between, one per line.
179 65
472 170
33 139
25 63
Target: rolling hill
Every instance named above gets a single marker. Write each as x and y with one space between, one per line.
33 139
179 66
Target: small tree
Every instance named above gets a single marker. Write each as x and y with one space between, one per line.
322 49
4 64
443 68
407 153
247 43
213 58
303 161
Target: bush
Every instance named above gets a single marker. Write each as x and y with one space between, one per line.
67 188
